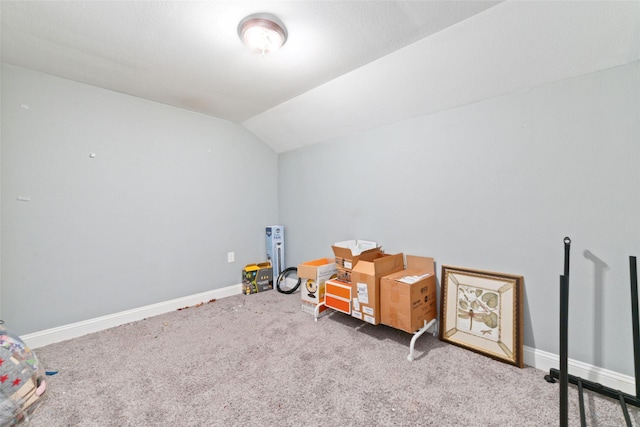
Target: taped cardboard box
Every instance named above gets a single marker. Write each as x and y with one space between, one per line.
408 297
344 275
257 278
365 284
313 275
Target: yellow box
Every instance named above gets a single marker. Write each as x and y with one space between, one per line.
257 278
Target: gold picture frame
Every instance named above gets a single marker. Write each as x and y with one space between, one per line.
482 311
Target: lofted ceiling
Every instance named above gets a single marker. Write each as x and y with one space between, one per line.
347 66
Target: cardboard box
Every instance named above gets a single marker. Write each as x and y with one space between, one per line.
344 275
338 295
365 284
313 275
408 297
257 278
349 252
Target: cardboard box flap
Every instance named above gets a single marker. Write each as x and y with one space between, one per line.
418 268
350 248
420 263
369 255
357 246
378 263
253 267
309 269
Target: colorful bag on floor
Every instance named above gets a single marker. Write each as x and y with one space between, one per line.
22 379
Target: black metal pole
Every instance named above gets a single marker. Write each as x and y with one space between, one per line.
564 337
625 411
564 373
567 248
583 418
633 270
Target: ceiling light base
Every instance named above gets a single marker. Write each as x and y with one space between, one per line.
262 32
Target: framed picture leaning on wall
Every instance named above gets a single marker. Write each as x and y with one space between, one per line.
482 311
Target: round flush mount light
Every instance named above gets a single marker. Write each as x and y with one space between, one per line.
262 32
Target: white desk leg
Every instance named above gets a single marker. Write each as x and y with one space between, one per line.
417 335
316 313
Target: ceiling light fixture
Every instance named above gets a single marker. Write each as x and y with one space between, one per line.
263 32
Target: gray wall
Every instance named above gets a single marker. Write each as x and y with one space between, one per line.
496 186
0 188
149 219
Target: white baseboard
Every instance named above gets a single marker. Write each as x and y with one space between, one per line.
544 361
74 330
538 359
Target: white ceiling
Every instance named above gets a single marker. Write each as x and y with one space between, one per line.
347 66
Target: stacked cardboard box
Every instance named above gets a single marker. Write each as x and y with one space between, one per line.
408 297
313 275
365 284
349 252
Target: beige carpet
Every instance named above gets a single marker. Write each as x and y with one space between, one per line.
257 360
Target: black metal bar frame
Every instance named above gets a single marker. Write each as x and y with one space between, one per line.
635 319
563 375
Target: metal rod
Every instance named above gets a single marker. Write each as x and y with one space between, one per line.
625 412
567 248
564 337
564 373
583 420
598 388
633 271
